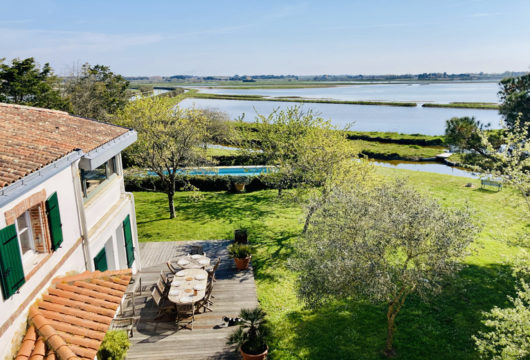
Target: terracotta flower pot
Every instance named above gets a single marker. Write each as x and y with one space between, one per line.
242 264
239 187
261 356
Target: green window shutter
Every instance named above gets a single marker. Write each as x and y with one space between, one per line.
11 270
54 221
100 261
127 233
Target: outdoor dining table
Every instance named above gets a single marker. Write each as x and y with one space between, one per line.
188 285
193 261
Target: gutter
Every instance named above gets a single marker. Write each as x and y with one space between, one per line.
81 216
12 191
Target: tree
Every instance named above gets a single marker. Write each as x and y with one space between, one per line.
25 83
96 92
302 146
515 97
508 334
169 138
380 244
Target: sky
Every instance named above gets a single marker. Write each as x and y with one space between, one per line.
148 38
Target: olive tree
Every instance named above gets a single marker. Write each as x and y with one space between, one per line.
380 244
169 138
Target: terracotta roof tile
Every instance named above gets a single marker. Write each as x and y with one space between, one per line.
33 137
72 319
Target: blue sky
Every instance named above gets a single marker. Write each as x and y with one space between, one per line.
270 37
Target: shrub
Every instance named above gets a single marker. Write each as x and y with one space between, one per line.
141 182
240 251
114 345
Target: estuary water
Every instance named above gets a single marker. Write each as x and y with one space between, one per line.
406 120
420 93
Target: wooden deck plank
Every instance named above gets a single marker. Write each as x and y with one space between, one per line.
156 340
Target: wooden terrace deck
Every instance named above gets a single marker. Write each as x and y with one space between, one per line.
159 339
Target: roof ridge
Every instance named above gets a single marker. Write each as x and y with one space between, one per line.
91 275
27 107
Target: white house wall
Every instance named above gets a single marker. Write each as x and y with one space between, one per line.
74 262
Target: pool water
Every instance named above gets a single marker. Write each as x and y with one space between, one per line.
228 170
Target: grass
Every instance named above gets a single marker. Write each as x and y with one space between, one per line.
440 329
465 105
390 151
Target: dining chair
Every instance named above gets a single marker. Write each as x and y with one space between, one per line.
171 268
165 278
212 270
205 302
162 287
196 250
185 316
163 304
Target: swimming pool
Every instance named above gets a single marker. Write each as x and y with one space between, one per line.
226 171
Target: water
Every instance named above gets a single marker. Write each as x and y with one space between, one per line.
407 120
421 93
226 170
433 167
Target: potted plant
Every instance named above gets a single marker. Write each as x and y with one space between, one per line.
249 337
239 182
241 236
241 254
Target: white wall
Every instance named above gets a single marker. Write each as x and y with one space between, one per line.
104 215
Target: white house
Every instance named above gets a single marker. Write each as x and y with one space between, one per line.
63 207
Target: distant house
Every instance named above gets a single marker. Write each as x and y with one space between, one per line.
63 211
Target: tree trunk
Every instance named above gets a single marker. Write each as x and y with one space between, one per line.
310 213
391 317
170 196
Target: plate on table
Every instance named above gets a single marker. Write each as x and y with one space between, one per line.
174 292
186 299
183 262
204 261
199 287
176 283
181 273
200 277
195 257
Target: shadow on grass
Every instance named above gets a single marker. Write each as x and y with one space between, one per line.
214 206
440 329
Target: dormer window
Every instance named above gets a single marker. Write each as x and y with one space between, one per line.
92 179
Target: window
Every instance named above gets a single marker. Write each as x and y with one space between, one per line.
25 236
91 179
30 233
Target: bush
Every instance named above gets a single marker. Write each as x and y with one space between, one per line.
114 345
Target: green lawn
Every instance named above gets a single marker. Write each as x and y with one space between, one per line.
441 329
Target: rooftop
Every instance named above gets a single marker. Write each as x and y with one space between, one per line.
70 321
33 138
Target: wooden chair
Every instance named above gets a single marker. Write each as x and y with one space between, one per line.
196 250
162 287
126 323
165 278
211 271
126 319
185 316
171 268
163 304
206 302
137 292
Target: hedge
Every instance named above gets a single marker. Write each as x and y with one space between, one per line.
201 182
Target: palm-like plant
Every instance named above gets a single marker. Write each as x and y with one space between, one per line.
250 335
